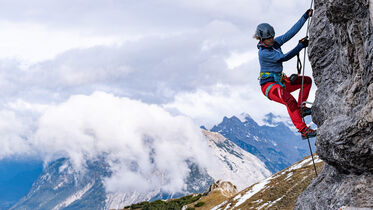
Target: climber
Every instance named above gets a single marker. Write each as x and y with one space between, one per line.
274 83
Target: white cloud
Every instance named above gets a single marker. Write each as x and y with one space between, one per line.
13 135
23 106
208 107
138 140
34 42
237 59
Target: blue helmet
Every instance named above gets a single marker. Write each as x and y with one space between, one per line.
264 31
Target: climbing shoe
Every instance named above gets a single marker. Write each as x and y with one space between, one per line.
308 132
304 111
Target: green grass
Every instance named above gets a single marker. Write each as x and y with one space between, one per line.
199 204
173 204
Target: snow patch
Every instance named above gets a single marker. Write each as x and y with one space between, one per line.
220 205
77 196
228 206
289 175
237 197
317 160
60 184
300 165
62 167
262 206
273 202
255 189
258 201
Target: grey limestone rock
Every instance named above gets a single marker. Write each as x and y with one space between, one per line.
334 190
341 55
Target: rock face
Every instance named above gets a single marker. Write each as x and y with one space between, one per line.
341 55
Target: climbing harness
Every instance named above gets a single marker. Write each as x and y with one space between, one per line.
301 98
278 77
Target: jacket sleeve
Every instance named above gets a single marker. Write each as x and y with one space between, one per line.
277 56
294 30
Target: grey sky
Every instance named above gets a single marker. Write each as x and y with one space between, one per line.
189 57
137 46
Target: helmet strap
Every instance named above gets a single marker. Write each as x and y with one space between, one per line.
262 43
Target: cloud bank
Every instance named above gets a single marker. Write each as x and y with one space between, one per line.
144 145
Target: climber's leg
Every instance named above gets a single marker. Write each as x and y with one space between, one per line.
280 95
307 83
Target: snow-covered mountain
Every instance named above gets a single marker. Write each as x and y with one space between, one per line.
237 165
275 143
60 187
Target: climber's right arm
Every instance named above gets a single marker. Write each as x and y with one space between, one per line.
274 56
292 53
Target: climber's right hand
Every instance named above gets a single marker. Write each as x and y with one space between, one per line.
304 41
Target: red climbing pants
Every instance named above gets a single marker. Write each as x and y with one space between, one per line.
282 95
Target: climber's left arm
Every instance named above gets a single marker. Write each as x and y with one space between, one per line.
294 30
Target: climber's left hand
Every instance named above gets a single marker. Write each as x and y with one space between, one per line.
309 12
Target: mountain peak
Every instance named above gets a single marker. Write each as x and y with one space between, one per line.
268 118
244 117
277 146
243 120
231 119
226 188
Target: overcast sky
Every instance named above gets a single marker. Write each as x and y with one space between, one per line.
164 52
190 58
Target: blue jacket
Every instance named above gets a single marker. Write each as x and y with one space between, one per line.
271 58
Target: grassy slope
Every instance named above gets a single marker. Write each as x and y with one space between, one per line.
281 191
163 205
209 201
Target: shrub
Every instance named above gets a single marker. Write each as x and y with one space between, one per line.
199 204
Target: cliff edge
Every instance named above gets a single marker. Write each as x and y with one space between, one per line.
341 56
